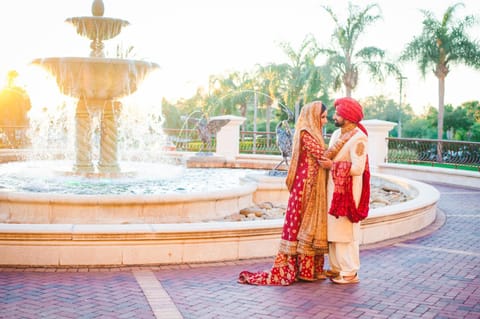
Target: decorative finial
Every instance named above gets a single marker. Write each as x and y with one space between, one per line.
98 8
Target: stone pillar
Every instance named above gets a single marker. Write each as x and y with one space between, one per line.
108 162
83 140
228 138
377 141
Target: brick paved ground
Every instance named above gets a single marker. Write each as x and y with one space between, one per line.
433 274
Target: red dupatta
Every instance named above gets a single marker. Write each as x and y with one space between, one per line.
343 203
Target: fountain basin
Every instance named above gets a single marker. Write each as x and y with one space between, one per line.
28 208
96 78
34 192
151 243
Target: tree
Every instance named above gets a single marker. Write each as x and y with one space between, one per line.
171 115
473 110
345 61
474 133
382 108
441 44
14 107
418 127
473 113
269 80
300 73
232 92
459 121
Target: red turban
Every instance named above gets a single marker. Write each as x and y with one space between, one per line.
351 110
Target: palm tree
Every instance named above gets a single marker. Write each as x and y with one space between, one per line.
269 81
344 60
233 92
443 43
300 73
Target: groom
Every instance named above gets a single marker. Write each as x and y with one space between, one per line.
348 190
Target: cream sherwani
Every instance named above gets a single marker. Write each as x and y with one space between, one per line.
343 235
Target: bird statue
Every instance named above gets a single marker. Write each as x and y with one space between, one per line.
207 128
284 142
284 138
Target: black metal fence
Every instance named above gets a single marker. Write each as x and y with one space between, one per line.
444 153
258 143
188 140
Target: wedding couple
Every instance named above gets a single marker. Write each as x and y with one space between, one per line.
329 196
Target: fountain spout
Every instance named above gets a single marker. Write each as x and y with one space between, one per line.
97 28
98 8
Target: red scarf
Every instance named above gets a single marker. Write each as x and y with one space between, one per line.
342 201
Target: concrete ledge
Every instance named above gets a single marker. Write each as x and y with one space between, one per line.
433 174
403 218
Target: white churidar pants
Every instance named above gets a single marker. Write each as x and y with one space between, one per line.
344 257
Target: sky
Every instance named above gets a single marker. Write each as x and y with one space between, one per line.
192 39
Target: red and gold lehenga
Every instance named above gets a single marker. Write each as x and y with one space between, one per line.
304 236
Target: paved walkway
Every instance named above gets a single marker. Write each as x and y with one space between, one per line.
432 274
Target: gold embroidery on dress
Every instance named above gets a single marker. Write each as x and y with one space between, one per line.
348 127
360 149
347 132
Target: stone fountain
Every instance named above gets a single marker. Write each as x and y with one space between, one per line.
98 83
50 228
137 192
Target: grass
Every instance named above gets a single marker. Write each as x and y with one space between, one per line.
474 168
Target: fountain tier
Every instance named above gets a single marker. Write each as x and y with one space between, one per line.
96 79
